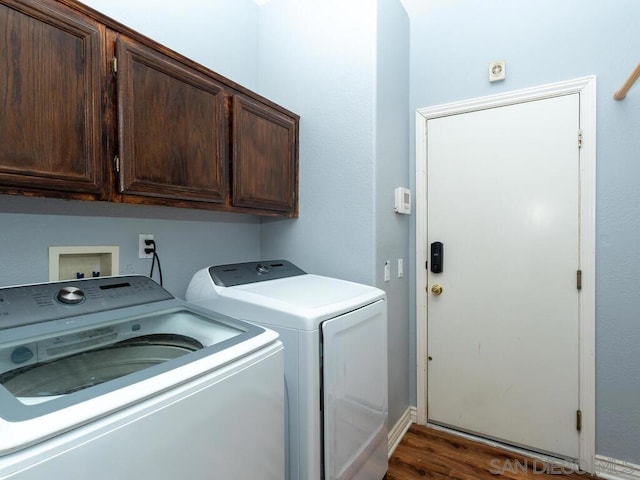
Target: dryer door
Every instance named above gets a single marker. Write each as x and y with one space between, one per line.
355 394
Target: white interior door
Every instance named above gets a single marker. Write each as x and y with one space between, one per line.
503 198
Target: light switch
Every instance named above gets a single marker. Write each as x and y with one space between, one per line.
400 268
387 271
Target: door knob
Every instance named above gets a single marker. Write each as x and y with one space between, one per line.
436 289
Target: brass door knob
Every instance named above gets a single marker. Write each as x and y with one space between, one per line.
436 289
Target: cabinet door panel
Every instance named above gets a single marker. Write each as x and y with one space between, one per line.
50 97
172 128
265 157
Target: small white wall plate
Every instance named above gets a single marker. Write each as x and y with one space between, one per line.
497 71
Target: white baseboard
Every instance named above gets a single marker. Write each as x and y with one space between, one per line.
613 469
400 428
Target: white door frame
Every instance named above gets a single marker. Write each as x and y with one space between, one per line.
586 88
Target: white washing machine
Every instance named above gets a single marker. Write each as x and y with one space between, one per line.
335 338
114 378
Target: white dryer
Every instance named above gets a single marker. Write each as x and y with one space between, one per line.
335 338
114 378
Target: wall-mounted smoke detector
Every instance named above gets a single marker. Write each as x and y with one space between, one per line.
497 71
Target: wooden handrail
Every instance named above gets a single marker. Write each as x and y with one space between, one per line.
620 94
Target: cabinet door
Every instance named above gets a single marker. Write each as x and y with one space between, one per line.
51 70
172 128
265 157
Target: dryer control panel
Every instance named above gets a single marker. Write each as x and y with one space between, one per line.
251 272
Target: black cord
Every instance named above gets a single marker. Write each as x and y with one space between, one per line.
152 250
153 262
156 257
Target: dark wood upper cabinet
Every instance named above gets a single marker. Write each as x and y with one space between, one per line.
91 109
264 157
51 86
172 127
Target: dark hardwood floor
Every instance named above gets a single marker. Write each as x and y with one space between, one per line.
428 453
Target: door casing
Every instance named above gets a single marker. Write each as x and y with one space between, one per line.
586 88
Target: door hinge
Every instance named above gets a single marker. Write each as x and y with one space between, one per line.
114 65
579 138
579 420
579 279
116 164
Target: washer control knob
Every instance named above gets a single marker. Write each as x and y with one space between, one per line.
261 268
70 295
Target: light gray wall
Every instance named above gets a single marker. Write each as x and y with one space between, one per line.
544 41
392 170
318 59
221 34
186 240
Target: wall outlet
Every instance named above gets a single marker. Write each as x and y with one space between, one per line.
141 245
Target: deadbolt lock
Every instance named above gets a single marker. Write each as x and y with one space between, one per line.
436 289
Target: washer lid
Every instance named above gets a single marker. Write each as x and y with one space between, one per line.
301 302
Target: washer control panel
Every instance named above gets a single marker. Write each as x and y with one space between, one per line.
27 304
251 272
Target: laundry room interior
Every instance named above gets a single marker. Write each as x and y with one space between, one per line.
356 73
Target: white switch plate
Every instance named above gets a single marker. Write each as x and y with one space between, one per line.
400 268
141 246
387 271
